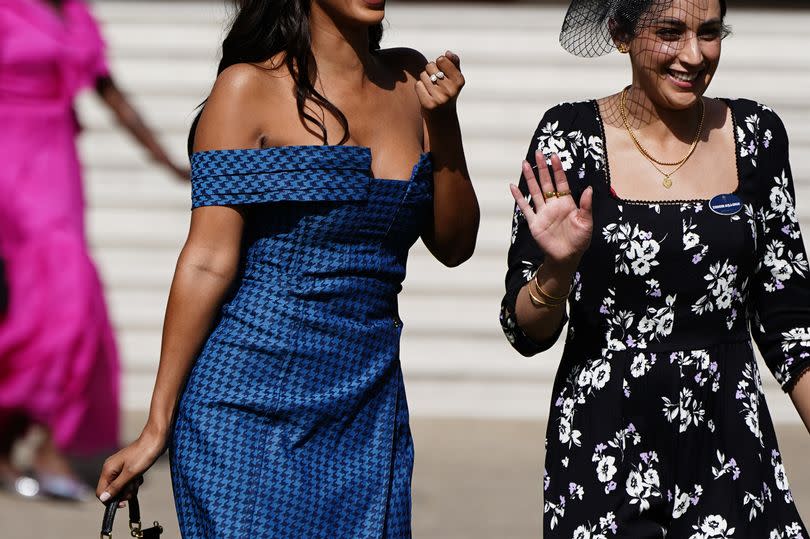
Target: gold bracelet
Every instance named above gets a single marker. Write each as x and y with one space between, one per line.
543 300
546 294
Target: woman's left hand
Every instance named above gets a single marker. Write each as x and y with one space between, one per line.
440 83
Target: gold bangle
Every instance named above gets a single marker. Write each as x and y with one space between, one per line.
537 302
543 300
546 294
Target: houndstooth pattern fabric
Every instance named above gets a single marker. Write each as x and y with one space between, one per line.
294 422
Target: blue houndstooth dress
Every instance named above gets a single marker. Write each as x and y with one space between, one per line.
294 423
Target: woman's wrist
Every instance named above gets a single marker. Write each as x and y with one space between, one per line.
555 277
154 430
442 119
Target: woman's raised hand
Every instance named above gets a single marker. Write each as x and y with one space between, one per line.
561 229
440 83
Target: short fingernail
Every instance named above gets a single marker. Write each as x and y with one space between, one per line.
104 496
121 505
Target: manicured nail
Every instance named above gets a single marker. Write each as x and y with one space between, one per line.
104 497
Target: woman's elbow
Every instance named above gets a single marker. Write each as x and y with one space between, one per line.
456 254
221 265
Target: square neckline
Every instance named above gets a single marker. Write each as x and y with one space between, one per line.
668 202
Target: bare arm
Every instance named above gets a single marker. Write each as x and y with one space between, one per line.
562 231
801 398
128 117
205 271
456 214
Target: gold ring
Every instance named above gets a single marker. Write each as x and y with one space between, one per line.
549 194
563 193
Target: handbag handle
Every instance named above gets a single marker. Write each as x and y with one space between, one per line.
135 527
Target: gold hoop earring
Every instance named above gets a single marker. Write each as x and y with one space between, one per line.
623 48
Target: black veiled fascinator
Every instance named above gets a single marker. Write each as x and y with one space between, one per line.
586 28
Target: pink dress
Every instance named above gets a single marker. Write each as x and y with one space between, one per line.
58 362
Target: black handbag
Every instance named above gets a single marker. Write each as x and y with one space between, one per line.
135 529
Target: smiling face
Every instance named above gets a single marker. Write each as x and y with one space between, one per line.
354 12
676 51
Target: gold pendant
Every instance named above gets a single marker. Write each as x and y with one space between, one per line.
667 182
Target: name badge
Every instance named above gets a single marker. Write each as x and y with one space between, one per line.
729 204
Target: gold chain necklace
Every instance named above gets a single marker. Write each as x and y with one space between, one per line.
653 161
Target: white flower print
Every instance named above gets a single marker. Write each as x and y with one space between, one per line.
715 526
529 270
600 375
783 207
582 533
551 138
687 411
795 345
791 531
749 393
595 150
782 263
780 476
725 467
581 382
637 249
642 364
517 216
643 482
607 524
605 463
657 322
705 369
576 287
684 500
724 292
557 510
635 484
605 468
750 138
570 146
757 502
653 288
691 240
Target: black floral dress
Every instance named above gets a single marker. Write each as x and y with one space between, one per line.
658 425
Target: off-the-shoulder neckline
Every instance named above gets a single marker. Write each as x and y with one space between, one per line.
362 151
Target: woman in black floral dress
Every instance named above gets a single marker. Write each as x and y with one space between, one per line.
670 227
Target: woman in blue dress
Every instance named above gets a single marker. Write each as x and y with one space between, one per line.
279 391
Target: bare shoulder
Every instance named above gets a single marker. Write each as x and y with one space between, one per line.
405 59
232 116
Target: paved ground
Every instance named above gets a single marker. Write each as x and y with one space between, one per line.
474 479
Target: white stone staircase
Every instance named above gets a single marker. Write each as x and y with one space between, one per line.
456 360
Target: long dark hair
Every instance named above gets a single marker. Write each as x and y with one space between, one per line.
263 28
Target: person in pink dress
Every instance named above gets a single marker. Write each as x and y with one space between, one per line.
58 361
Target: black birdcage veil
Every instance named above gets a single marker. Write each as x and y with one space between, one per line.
586 30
